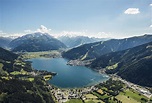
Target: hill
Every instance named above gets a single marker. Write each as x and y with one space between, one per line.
17 85
133 64
9 62
95 50
36 42
7 55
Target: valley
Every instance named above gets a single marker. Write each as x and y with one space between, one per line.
93 94
45 54
89 78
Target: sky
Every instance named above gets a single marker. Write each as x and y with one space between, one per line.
98 18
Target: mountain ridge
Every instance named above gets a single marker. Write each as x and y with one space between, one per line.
36 42
95 50
78 40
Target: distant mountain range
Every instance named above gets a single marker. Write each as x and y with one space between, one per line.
41 42
95 50
36 42
4 42
71 42
134 64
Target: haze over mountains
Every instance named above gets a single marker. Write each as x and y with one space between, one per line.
4 42
75 41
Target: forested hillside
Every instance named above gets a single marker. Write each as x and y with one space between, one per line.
133 64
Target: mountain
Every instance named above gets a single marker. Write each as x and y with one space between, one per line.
71 42
36 42
134 64
4 41
95 50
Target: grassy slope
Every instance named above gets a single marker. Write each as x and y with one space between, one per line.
75 101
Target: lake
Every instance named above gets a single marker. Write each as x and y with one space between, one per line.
68 76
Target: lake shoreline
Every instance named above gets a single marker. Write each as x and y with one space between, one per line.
89 86
93 77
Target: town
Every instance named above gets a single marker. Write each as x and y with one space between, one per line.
102 92
63 95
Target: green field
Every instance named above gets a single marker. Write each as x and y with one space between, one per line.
100 96
15 73
74 101
30 79
29 55
132 96
19 72
125 99
91 96
5 77
47 77
112 66
93 101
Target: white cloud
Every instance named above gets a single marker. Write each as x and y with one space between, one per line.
81 33
150 26
103 34
17 34
73 33
150 5
69 33
43 29
2 33
132 11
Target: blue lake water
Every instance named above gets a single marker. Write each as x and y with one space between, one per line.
68 76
